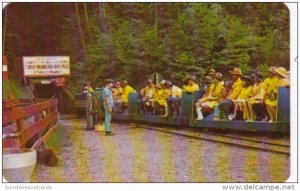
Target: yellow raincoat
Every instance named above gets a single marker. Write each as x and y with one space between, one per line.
161 96
126 91
236 89
245 93
271 100
258 93
148 92
216 95
191 88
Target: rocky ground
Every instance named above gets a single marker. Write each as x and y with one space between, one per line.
141 155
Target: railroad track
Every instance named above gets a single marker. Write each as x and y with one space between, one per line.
223 139
241 137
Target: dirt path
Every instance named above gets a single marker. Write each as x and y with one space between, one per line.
140 155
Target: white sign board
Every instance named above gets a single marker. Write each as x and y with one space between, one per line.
43 66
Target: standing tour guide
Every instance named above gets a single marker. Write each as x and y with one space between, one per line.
89 106
108 105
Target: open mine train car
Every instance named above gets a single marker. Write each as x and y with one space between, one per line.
187 115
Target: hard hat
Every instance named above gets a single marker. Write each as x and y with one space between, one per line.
236 71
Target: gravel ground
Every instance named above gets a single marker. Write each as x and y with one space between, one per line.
141 155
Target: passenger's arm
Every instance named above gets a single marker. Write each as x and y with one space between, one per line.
191 89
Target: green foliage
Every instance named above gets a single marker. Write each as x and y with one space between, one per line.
133 40
263 68
12 87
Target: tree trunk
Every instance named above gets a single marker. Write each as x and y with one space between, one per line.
80 29
102 18
156 19
4 30
87 19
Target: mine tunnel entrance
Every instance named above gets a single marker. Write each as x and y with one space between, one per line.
46 77
47 89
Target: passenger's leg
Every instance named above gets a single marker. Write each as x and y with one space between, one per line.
273 111
240 112
249 108
264 111
224 108
236 107
197 105
260 111
170 106
120 104
219 110
146 105
245 111
216 113
155 108
139 106
150 107
269 112
198 111
165 105
176 103
116 107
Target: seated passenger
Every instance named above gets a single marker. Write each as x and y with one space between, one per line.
199 104
173 100
214 98
279 80
240 102
227 90
116 93
146 95
117 90
260 108
256 98
160 98
123 100
192 86
227 106
127 89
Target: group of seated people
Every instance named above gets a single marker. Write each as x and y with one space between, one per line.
164 98
246 98
120 93
164 95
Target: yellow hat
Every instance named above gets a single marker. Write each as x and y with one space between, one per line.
192 77
272 69
236 71
211 71
281 71
162 82
207 79
219 76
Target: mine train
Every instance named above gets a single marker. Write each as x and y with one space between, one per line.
187 117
